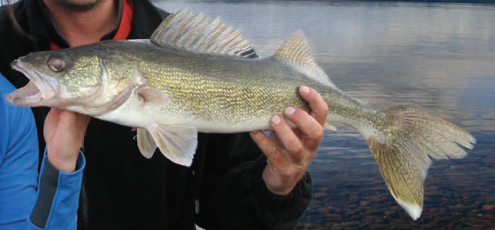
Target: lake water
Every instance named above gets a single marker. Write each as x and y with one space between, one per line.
440 57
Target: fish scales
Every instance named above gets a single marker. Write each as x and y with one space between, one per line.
232 90
193 76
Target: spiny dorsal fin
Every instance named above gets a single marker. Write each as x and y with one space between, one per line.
295 51
198 33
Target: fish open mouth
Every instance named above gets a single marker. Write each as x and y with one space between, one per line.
35 93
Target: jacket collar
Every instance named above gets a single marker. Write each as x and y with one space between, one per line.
146 19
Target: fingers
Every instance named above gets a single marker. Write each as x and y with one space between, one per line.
64 133
73 119
296 146
319 108
287 137
296 142
301 143
292 147
72 126
269 147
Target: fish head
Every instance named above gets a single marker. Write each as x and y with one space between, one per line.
59 79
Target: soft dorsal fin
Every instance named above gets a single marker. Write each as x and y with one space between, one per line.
198 33
295 51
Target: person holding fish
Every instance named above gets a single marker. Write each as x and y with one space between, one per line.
242 180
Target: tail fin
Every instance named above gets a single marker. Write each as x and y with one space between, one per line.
403 156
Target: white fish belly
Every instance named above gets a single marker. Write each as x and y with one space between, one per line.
131 113
221 127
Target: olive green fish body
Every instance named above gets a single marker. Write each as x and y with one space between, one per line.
215 93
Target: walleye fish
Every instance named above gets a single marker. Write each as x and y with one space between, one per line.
193 76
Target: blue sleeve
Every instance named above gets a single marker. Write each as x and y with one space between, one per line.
22 206
58 197
18 161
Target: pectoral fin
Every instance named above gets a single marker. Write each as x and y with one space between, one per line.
152 96
146 144
177 143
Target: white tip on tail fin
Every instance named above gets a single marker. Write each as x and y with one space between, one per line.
414 211
403 149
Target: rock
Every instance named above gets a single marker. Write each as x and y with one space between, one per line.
350 223
364 202
323 209
319 194
333 216
488 207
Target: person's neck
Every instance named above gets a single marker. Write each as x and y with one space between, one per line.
83 27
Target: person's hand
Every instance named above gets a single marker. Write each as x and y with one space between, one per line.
64 133
291 150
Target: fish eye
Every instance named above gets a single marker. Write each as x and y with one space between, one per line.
56 64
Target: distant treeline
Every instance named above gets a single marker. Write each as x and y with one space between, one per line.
445 1
439 1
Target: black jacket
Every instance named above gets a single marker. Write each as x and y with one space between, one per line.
121 189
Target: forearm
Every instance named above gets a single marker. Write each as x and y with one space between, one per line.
239 198
280 211
58 197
